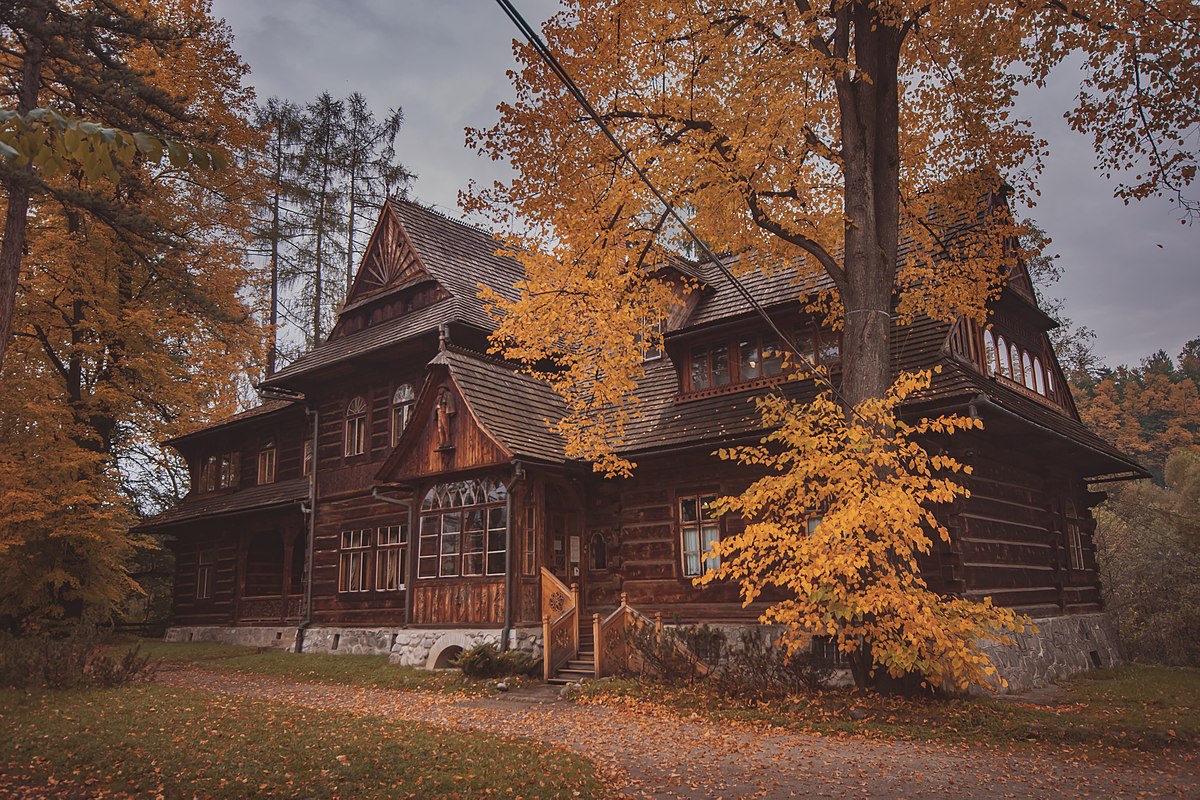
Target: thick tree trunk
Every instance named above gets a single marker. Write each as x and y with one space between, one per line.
19 188
869 107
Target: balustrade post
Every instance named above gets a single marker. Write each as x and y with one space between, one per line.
546 648
597 642
658 626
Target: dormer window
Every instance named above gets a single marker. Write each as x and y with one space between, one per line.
754 357
710 367
402 408
266 463
759 357
1018 364
230 463
356 427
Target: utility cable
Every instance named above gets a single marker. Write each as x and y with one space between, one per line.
568 82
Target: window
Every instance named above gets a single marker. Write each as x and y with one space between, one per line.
463 526
402 408
390 545
812 523
1014 360
1002 365
204 574
219 471
308 457
356 427
758 357
650 350
829 348
989 349
699 528
210 468
353 562
1027 369
1039 376
1075 545
710 367
598 552
229 469
266 463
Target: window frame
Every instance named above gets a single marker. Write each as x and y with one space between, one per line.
439 553
819 346
355 428
389 552
701 522
403 403
206 561
354 561
268 459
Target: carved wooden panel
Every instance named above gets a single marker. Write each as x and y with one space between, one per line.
438 602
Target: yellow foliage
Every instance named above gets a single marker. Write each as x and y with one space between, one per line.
855 577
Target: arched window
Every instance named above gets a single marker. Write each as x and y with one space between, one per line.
1027 364
1002 365
266 463
598 550
1039 376
463 525
1014 360
356 427
989 349
402 408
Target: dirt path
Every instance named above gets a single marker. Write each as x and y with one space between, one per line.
663 757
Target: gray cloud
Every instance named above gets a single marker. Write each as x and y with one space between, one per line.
444 62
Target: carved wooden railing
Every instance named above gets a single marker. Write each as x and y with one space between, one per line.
560 623
614 645
271 608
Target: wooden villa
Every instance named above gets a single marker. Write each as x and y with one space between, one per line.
398 491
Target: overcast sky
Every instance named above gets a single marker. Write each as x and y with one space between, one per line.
1132 273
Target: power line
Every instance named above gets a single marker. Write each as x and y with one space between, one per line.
568 82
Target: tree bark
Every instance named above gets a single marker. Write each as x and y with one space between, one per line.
20 189
870 114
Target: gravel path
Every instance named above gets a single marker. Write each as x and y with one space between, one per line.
650 756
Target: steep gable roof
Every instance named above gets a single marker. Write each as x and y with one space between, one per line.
389 262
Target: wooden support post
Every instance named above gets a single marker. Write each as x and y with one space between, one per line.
597 643
546 654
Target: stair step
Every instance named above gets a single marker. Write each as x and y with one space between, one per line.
577 666
569 671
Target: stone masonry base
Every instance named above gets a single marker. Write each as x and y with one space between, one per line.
426 648
1061 647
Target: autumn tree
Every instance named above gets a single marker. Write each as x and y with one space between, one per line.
129 317
850 572
1148 548
811 136
807 134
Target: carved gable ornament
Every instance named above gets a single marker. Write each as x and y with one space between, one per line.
390 259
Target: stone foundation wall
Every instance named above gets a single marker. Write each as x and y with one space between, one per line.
283 638
408 647
1061 647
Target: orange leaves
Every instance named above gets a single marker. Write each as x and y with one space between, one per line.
855 575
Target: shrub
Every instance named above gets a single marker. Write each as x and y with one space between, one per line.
62 662
676 654
486 661
759 669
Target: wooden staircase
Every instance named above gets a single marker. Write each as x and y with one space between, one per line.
583 665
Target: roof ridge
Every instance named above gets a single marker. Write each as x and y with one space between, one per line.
441 214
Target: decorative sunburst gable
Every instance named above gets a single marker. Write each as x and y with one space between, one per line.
390 259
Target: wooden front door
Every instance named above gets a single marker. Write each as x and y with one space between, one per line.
564 535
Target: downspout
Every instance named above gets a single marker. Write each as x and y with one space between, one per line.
306 620
408 506
518 476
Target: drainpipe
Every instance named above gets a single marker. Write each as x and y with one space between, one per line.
306 619
518 476
408 506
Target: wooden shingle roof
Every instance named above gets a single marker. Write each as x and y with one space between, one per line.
217 504
515 408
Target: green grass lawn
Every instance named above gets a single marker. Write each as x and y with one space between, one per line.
345 670
148 739
1134 708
